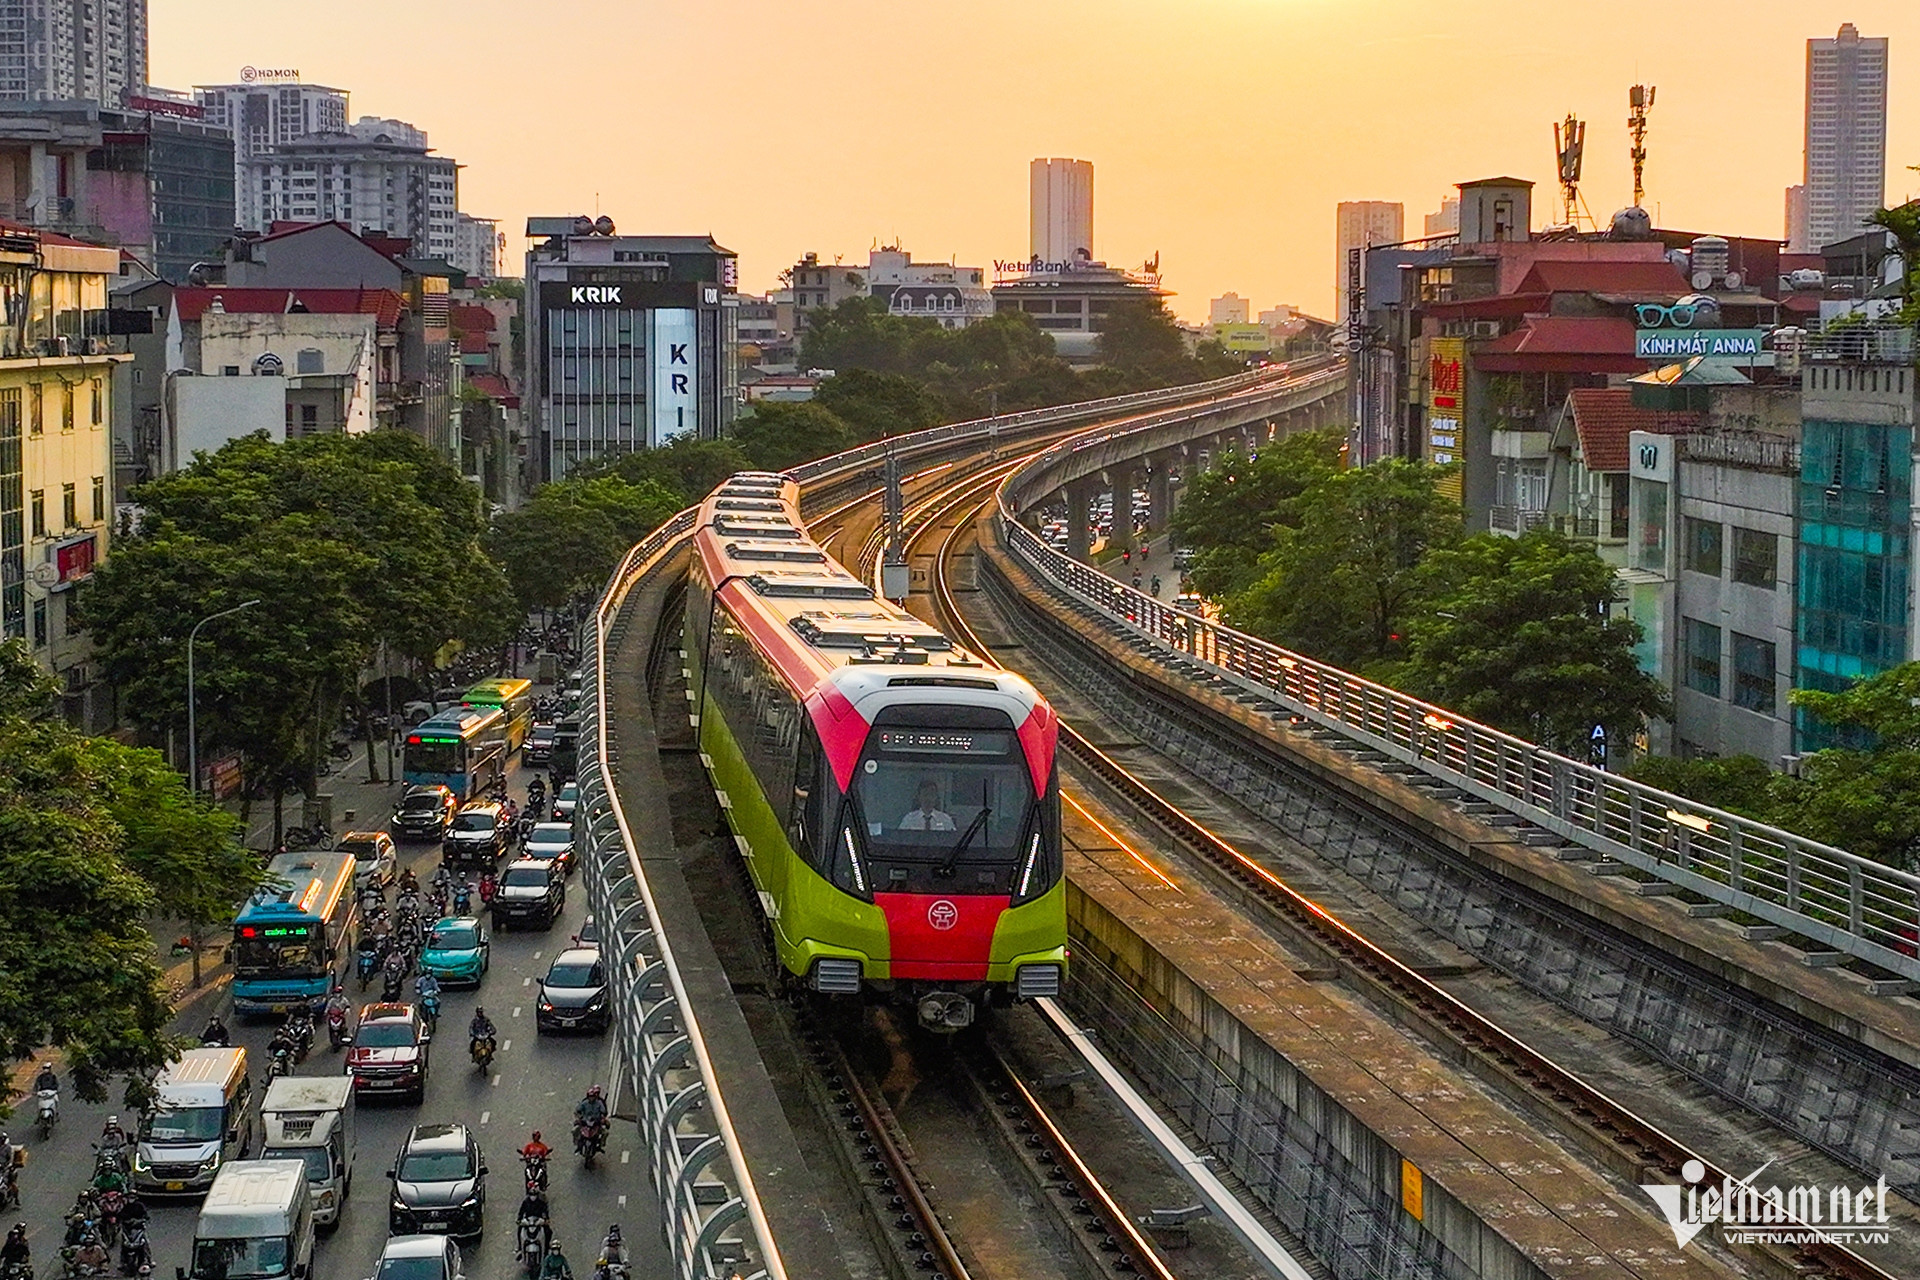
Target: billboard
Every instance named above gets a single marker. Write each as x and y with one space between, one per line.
1681 344
673 400
1446 407
1243 337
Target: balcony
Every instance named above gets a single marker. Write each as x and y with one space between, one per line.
1514 520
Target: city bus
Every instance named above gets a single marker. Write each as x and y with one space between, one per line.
293 937
463 749
515 700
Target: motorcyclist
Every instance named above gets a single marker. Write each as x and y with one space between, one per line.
536 1149
442 878
555 1266
481 1028
46 1081
427 987
613 1253
133 1210
394 976
16 1252
409 883
215 1032
112 1134
92 1258
592 1110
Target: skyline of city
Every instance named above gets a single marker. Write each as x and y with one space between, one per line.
1232 194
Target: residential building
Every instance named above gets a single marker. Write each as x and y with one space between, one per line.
1072 303
630 341
1229 308
821 286
1846 140
1445 221
1359 224
265 114
952 296
1799 234
73 51
479 247
1060 209
379 177
492 442
154 179
137 311
56 451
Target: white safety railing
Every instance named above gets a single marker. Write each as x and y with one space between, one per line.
1835 899
715 1226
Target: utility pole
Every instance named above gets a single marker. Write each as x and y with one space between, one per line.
1639 103
193 724
895 577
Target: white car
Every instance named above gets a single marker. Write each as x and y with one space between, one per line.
374 859
549 841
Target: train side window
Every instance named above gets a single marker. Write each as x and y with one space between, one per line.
803 816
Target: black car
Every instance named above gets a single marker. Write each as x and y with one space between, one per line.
439 1183
478 836
530 892
573 995
538 748
423 813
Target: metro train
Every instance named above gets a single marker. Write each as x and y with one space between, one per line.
894 797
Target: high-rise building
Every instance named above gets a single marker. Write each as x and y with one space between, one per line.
1358 224
379 176
1228 308
264 114
1062 210
1797 241
1446 220
478 246
1846 156
630 341
73 51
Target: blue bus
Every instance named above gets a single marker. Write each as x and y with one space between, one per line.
294 936
463 749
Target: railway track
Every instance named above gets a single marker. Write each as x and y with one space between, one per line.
1601 1122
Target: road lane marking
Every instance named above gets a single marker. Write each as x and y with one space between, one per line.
623 1202
516 1011
526 982
623 1155
485 1116
536 955
495 1082
506 1044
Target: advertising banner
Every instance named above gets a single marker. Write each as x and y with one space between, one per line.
1682 344
673 394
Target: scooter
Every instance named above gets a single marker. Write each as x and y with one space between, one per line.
281 1063
366 964
589 1140
430 1007
535 1168
135 1252
338 1032
532 1244
482 1051
48 1103
463 900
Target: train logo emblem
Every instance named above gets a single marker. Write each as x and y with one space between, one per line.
943 915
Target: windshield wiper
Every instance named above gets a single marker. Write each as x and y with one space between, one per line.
950 865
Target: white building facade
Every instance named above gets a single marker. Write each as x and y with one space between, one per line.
264 115
478 246
379 177
954 296
1061 214
1846 155
73 50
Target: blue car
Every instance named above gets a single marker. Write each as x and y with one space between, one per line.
456 951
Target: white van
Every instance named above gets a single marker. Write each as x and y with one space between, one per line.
202 1118
257 1224
310 1119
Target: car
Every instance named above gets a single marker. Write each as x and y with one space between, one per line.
529 892
375 861
424 812
573 995
565 800
538 748
439 1183
390 1052
457 951
550 842
423 1257
589 935
478 836
1190 602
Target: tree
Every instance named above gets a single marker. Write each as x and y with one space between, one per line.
1516 633
782 434
1228 513
1141 338
1738 784
689 467
568 537
858 333
84 863
1340 585
874 405
1904 222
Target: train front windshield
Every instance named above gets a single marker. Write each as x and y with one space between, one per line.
949 797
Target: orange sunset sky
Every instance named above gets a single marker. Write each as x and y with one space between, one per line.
1222 132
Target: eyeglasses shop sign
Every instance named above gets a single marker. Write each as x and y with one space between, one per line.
1682 344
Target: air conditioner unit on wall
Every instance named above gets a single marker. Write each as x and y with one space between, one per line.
1486 328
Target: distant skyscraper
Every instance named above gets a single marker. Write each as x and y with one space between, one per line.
263 115
1062 211
1797 220
1447 221
73 50
1846 168
1229 308
1360 223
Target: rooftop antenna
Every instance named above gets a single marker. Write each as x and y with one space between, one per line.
1639 104
1570 145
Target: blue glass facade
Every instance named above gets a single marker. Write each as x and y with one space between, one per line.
1855 558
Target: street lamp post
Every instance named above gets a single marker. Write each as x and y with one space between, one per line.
193 727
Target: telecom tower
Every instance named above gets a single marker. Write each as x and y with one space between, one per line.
1639 104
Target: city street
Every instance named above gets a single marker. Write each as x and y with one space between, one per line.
534 1083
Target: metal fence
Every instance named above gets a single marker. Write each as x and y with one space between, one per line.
715 1226
1856 907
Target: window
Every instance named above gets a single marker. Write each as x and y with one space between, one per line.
66 411
99 499
37 512
1753 674
40 623
99 403
1755 558
309 418
36 411
1703 546
229 370
1703 657
69 506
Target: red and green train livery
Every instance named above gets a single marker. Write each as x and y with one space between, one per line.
894 797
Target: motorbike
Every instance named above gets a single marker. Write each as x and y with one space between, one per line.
589 1139
281 1063
135 1252
487 887
299 1033
338 1032
366 964
463 901
430 1009
531 1244
20 1270
47 1110
535 1168
482 1051
111 1203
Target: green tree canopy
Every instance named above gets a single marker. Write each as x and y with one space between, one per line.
1228 513
568 537
782 434
874 405
689 467
1141 338
1341 586
1516 633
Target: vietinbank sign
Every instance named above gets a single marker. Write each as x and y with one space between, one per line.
1682 344
1751 1214
1034 266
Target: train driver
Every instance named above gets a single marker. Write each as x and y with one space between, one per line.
926 814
